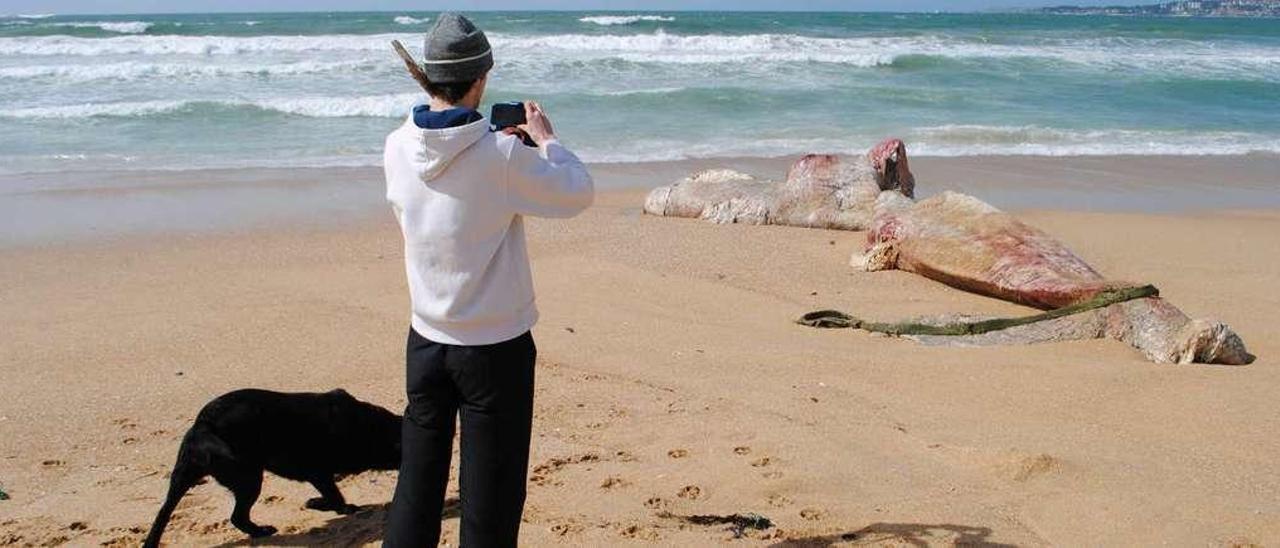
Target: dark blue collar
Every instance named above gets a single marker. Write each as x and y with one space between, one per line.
426 118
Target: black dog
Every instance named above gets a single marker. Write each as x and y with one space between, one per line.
302 437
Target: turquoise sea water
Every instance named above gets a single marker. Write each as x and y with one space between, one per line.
241 90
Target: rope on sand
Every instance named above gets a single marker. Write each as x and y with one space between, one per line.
834 319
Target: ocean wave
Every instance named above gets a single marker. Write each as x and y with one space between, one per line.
77 162
642 151
407 20
1253 61
121 27
35 15
645 91
1132 142
612 20
190 45
85 110
383 106
951 141
136 70
982 140
661 47
1205 59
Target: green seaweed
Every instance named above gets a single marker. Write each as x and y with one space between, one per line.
3 495
834 319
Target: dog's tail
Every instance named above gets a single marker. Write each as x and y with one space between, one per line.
199 449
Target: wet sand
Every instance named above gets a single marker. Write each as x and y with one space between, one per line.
672 382
39 209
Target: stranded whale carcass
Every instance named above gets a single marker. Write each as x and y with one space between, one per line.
960 241
821 191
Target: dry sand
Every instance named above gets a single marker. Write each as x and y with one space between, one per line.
671 383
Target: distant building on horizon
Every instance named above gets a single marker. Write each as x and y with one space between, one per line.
1183 8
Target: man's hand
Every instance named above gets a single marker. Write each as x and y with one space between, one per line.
537 126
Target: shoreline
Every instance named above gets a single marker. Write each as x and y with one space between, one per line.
68 207
283 174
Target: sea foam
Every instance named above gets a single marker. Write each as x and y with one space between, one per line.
122 27
83 110
140 70
190 45
612 20
380 106
1175 57
1030 140
407 20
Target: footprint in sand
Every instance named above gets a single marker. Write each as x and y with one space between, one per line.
742 450
656 503
772 474
210 528
567 528
129 441
120 541
1035 465
52 463
678 453
812 514
691 492
1023 467
779 501
133 530
639 532
613 482
542 473
762 462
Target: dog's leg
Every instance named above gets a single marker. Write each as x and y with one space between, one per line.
246 484
186 474
330 499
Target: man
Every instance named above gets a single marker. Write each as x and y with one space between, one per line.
460 193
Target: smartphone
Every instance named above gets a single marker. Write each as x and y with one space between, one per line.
505 115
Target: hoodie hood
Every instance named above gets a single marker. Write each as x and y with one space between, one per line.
438 147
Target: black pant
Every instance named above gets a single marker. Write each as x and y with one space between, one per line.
492 386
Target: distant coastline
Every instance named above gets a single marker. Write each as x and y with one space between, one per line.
1185 8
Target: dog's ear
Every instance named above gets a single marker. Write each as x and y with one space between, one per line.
342 393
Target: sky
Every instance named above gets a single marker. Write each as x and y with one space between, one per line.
173 6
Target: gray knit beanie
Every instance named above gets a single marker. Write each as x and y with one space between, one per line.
456 51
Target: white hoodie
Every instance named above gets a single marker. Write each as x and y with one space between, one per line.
460 195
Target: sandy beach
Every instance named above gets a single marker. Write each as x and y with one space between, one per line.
672 383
